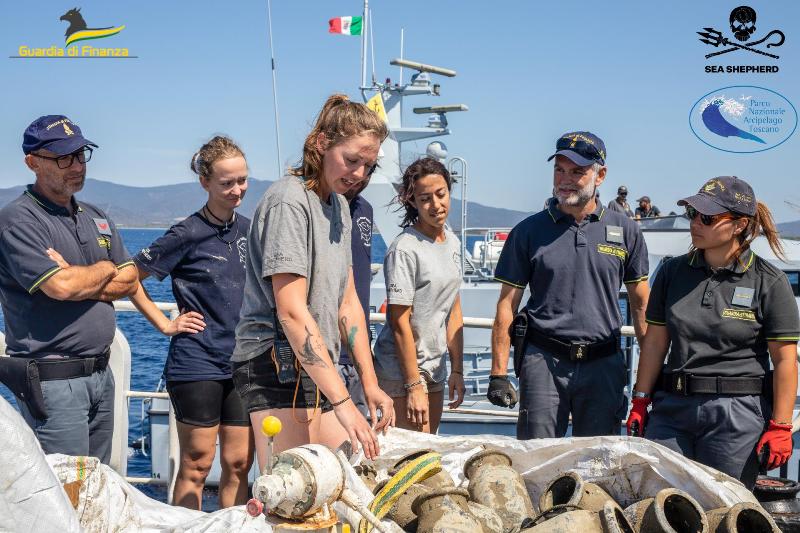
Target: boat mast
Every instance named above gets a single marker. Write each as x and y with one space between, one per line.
364 22
274 91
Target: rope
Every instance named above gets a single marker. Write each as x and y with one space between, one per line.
415 471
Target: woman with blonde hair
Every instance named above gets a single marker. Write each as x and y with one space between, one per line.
299 293
721 312
204 255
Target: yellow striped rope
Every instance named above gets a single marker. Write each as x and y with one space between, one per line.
417 470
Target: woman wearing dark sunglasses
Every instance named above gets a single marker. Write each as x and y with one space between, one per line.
721 312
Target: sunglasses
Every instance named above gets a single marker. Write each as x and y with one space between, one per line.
584 148
707 220
65 161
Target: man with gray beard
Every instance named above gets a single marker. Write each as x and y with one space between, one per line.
574 255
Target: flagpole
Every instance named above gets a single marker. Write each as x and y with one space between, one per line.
274 91
364 22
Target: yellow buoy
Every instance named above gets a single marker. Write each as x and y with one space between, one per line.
271 426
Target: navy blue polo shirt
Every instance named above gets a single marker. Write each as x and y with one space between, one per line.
206 263
361 246
574 270
719 322
37 325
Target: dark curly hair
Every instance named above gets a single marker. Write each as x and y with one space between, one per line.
416 170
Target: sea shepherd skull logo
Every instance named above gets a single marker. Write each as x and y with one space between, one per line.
743 25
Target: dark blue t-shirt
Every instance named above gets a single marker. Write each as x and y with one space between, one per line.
207 267
37 325
574 270
361 245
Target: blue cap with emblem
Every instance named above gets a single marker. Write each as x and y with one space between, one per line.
54 133
582 148
722 194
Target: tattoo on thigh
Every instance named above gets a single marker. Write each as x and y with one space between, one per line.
309 355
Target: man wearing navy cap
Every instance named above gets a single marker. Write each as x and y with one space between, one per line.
574 256
61 266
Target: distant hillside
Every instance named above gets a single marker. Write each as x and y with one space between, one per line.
162 206
790 230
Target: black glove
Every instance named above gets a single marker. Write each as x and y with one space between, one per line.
501 392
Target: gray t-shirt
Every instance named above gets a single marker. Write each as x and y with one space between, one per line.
293 232
425 275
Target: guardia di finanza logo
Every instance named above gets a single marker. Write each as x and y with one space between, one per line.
78 31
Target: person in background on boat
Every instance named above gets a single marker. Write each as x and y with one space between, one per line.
361 251
299 293
204 255
620 203
575 256
646 209
424 323
721 312
62 264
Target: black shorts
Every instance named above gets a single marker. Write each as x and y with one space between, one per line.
207 403
257 383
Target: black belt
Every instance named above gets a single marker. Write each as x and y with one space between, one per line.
76 367
574 351
688 384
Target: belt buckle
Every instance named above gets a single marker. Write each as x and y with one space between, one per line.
680 383
578 351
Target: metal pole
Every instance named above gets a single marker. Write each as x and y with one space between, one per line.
402 31
364 23
451 168
274 91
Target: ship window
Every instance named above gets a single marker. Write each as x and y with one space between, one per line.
794 281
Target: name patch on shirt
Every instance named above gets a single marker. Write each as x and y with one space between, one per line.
739 314
104 242
102 226
614 234
743 296
612 250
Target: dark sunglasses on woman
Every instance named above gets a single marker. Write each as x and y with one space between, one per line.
707 220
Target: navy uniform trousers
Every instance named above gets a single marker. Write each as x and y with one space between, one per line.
717 430
551 388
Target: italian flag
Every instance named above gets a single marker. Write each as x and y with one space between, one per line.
345 25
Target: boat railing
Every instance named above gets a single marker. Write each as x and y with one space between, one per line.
120 363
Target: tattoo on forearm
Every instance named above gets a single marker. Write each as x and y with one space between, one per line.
350 333
308 354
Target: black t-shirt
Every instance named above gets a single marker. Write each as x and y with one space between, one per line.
207 266
719 323
575 270
361 245
652 212
37 325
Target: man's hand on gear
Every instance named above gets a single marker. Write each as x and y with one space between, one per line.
501 392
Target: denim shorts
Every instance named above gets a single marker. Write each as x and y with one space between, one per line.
256 380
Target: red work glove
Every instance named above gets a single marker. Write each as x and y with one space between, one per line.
779 439
638 417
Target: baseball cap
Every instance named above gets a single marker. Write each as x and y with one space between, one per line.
55 133
622 189
721 194
582 148
644 199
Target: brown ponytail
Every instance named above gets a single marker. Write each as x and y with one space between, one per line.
338 120
762 223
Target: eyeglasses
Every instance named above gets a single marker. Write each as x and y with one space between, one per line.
584 148
65 161
707 220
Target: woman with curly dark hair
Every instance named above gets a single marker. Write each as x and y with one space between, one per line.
423 274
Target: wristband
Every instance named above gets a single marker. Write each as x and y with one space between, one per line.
640 394
340 402
780 425
409 386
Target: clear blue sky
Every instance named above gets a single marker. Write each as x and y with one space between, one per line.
529 70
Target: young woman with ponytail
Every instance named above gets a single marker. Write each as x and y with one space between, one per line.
300 301
721 312
205 257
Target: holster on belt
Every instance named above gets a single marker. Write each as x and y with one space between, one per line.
21 376
518 332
